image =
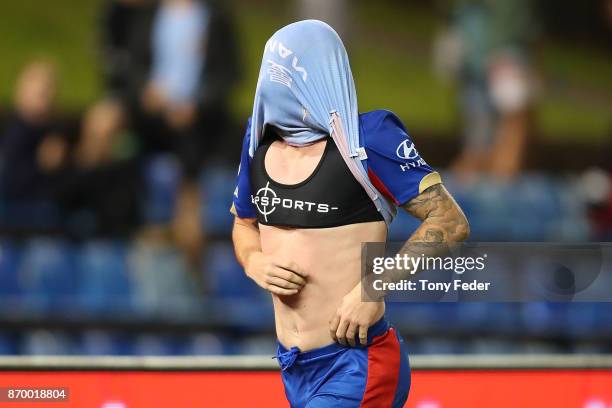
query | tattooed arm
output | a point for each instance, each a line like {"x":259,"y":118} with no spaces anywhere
{"x":443,"y":220}
{"x":443,"y":223}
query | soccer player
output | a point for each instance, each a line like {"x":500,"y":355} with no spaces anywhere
{"x":316,"y":180}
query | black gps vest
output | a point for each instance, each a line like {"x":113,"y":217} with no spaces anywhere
{"x":329,"y":197}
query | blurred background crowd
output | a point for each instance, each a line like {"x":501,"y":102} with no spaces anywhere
{"x":120,"y":130}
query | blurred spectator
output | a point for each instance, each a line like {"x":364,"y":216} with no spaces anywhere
{"x":183,"y":107}
{"x":101,"y":141}
{"x":178,"y":44}
{"x":102,"y":188}
{"x":33,"y":148}
{"x":169,"y":99}
{"x":487,"y":48}
{"x":126,"y":51}
{"x":172,"y":64}
{"x":177,"y":91}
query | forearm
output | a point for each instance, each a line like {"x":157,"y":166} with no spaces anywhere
{"x":245,"y":236}
{"x":443,"y":224}
{"x":442,"y":219}
{"x":278,"y":275}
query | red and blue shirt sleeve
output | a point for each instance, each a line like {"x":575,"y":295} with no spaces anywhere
{"x":394,"y":165}
{"x":242,"y":206}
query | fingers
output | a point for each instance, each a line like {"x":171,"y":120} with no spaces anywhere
{"x":292,"y":267}
{"x":341,"y":332}
{"x":345,"y":332}
{"x":282,"y":283}
{"x":333,"y":326}
{"x":287,"y":275}
{"x":363,"y":335}
{"x":351,"y":332}
{"x":281,"y":291}
{"x":291,"y":276}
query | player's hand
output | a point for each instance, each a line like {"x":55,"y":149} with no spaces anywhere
{"x":354,"y":317}
{"x":276,"y":275}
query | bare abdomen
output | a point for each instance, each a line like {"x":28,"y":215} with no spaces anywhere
{"x":331,"y":257}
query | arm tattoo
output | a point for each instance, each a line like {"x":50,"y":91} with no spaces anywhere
{"x":443,"y":220}
{"x":434,"y":235}
{"x":443,"y":223}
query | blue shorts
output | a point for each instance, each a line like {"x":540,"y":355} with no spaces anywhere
{"x":376,"y":375}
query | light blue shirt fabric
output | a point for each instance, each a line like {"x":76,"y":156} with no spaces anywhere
{"x":179,"y":35}
{"x":306,"y":90}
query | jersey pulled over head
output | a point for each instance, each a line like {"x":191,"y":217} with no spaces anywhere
{"x":306,"y":91}
{"x":304,"y":75}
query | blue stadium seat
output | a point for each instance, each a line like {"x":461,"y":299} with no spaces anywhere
{"x":225,"y":277}
{"x":207,"y":344}
{"x":492,"y":216}
{"x":98,"y":342}
{"x":603,"y":319}
{"x":544,"y":319}
{"x":435,"y":345}
{"x":218,"y":185}
{"x":258,"y":345}
{"x":416,"y":316}
{"x":48,"y":274}
{"x":10,"y":259}
{"x":105,"y":284}
{"x":502,"y":318}
{"x":539,"y":195}
{"x":47,"y":342}
{"x":153,"y":345}
{"x":8,"y":345}
{"x":161,"y":281}
{"x":236,"y":297}
{"x":162,"y":177}
{"x":587,"y":320}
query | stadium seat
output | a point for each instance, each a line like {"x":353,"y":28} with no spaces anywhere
{"x":544,"y":319}
{"x":48,"y":274}
{"x":47,"y":342}
{"x":218,"y":185}
{"x":502,"y":319}
{"x":225,"y":277}
{"x":162,"y":177}
{"x":105,"y":284}
{"x":258,"y":345}
{"x":10,"y":285}
{"x":239,"y":300}
{"x":8,"y":345}
{"x":98,"y":342}
{"x":152,"y":345}
{"x":207,"y":344}
{"x":161,"y":282}
{"x":584,"y":320}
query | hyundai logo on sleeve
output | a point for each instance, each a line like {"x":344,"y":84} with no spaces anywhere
{"x":407,"y":151}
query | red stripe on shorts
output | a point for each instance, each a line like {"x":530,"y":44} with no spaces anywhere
{"x":383,"y":371}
